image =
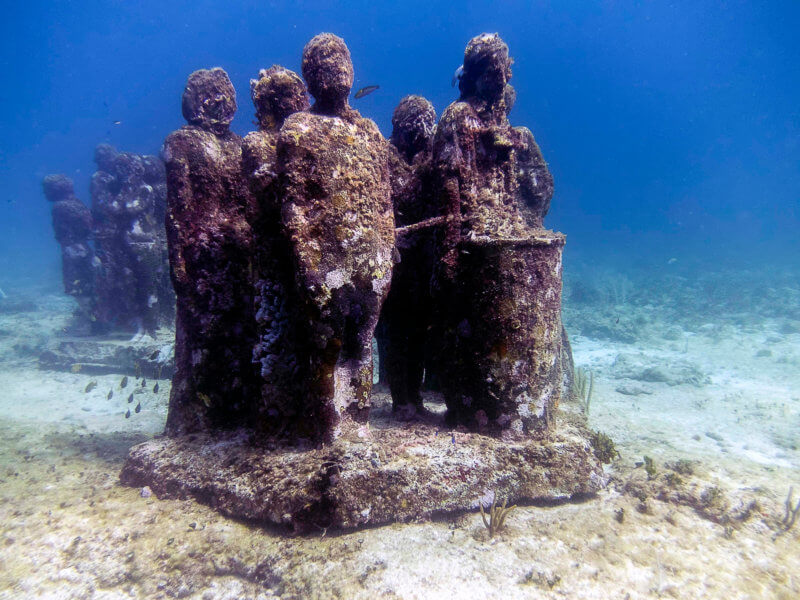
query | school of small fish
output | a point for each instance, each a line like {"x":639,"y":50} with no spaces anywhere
{"x":124,"y":383}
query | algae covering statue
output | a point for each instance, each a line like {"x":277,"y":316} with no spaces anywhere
{"x":337,"y":216}
{"x":210,"y":248}
{"x":406,"y":318}
{"x":498,"y":280}
{"x":268,"y":418}
{"x":278,"y":354}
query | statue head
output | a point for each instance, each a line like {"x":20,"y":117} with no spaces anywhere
{"x":276,"y":94}
{"x":57,"y":187}
{"x":104,"y":155}
{"x":487,"y":68}
{"x":328,"y":71}
{"x":412,"y":125}
{"x":209,"y":100}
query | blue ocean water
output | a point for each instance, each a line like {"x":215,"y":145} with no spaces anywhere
{"x":671,"y":128}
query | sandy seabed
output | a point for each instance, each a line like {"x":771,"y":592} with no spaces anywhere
{"x":722,"y":399}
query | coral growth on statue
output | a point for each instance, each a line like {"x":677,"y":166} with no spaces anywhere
{"x":289,"y":250}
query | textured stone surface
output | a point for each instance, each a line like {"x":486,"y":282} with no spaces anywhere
{"x":337,"y":216}
{"x":498,"y":280}
{"x":278,"y":353}
{"x":399,"y":473}
{"x":210,"y":251}
{"x":503,"y":354}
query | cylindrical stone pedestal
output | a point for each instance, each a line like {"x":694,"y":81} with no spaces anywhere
{"x":502,"y":340}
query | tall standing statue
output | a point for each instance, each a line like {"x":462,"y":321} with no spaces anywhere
{"x":406,"y":316}
{"x":72,"y":225}
{"x":337,"y":216}
{"x":210,"y":247}
{"x":498,"y":279}
{"x":278,"y":354}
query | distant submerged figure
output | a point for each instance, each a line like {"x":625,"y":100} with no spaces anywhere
{"x":132,"y":284}
{"x":72,"y":224}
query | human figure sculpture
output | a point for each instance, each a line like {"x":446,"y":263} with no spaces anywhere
{"x":498,"y":280}
{"x":406,"y":316}
{"x":337,"y":216}
{"x":131,"y":272}
{"x":209,"y":240}
{"x":278,"y":353}
{"x":72,"y":224}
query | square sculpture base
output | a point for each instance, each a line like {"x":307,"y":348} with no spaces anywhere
{"x":399,"y":472}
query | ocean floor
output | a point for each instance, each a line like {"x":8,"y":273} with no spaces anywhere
{"x":712,"y":401}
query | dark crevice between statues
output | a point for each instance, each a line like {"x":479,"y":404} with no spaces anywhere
{"x":287,"y":247}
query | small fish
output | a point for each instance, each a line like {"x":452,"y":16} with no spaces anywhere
{"x":117,"y":122}
{"x":457,"y":75}
{"x":155,"y":388}
{"x":453,"y":438}
{"x":138,"y":407}
{"x":617,"y":321}
{"x":76,"y":368}
{"x":138,"y":369}
{"x":365,"y":91}
{"x":124,"y":382}
{"x":205,"y":398}
{"x":128,"y":414}
{"x":110,"y":394}
{"x":154,"y":355}
{"x":90,"y":386}
{"x":144,"y":382}
{"x":672,"y":261}
{"x":130,"y":398}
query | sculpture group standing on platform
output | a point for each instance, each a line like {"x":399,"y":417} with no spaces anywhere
{"x":285,"y":248}
{"x":292,"y":248}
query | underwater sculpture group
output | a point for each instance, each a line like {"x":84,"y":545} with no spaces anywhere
{"x":114,"y":259}
{"x":287,"y":248}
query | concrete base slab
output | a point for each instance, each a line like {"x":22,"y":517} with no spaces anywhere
{"x":112,"y":354}
{"x":396,"y":472}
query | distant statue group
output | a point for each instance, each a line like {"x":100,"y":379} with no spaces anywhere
{"x":113,"y":255}
{"x":291,"y":248}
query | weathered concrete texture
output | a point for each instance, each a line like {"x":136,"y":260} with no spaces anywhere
{"x":337,"y":216}
{"x":107,"y":354}
{"x":498,"y":279}
{"x":278,"y":351}
{"x":400,"y":473}
{"x":502,"y":342}
{"x":210,"y":251}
